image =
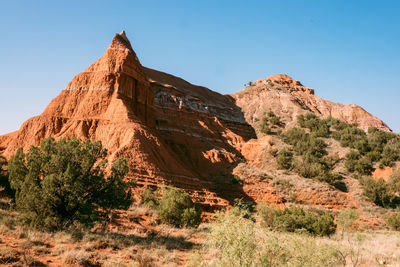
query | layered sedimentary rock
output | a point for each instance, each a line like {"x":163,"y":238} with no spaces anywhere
{"x":110,"y":101}
{"x":289,"y":98}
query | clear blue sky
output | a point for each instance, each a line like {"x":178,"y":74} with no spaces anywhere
{"x":347,"y":50}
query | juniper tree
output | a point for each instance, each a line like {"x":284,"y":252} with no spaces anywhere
{"x":59,"y":183}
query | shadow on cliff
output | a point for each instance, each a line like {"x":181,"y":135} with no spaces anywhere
{"x":212,"y":161}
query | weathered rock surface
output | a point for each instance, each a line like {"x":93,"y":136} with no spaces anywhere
{"x":288,"y":98}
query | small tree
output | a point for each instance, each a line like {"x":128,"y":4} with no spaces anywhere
{"x":177,"y":208}
{"x":379,"y":192}
{"x":63,"y":182}
{"x":284,"y":159}
{"x":4,"y":183}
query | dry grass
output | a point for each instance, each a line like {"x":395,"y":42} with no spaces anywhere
{"x":79,"y":257}
{"x":8,"y":255}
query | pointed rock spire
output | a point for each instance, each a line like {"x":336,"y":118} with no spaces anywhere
{"x":118,"y":70}
{"x":121,"y":42}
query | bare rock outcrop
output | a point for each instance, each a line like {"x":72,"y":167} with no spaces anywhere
{"x":289,"y":98}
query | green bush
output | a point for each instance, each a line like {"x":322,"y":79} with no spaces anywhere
{"x":4,"y":183}
{"x":63,"y":182}
{"x":284,"y":159}
{"x":177,"y":208}
{"x":354,"y":162}
{"x":379,"y":192}
{"x":374,"y":146}
{"x":318,"y":127}
{"x":394,"y":181}
{"x":394,"y":221}
{"x":296,"y":219}
{"x":264,"y":127}
{"x":304,"y":143}
{"x":270,"y":123}
{"x":234,"y":239}
{"x":391,"y":153}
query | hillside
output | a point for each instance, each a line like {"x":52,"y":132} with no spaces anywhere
{"x":173,"y":132}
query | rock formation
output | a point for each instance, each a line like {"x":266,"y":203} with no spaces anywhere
{"x":288,"y":98}
{"x":173,"y":132}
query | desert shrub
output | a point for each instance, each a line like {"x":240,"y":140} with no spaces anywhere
{"x":283,"y":184}
{"x":8,"y":255}
{"x":332,"y":160}
{"x":284,"y":159}
{"x":373,"y":156}
{"x":394,"y":181}
{"x":346,"y":218}
{"x":3,"y":165}
{"x":354,"y":162}
{"x":379,"y":192}
{"x":296,"y":219}
{"x":351,"y":159}
{"x":234,"y":239}
{"x":63,"y":182}
{"x":378,"y":139}
{"x":242,"y":209}
{"x":264,"y":126}
{"x":313,"y":162}
{"x":148,"y":198}
{"x":310,"y":169}
{"x":270,"y":122}
{"x":4,"y":182}
{"x":304,"y":143}
{"x":374,"y":146}
{"x":394,"y":221}
{"x":318,"y":127}
{"x":391,"y":152}
{"x":364,"y":166}
{"x":177,"y":208}
{"x":334,"y":179}
{"x":351,"y":136}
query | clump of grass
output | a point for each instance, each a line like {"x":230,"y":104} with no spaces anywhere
{"x":78,"y":257}
{"x":8,"y":255}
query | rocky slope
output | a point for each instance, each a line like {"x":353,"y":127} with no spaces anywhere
{"x":173,"y":132}
{"x":288,"y":98}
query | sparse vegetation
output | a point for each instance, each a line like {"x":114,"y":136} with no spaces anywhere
{"x":312,"y":161}
{"x":318,"y":127}
{"x":149,"y":199}
{"x":394,"y":221}
{"x":177,"y":208}
{"x":4,"y":183}
{"x":60,"y":183}
{"x":379,"y":192}
{"x":296,"y":219}
{"x":240,"y":242}
{"x":346,"y":219}
{"x":270,"y":123}
{"x":284,"y":159}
